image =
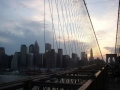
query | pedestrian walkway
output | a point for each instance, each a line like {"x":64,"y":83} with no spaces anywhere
{"x":115,"y":85}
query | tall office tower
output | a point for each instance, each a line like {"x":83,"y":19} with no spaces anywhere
{"x":4,"y":63}
{"x":48,"y":59}
{"x":59,"y":58}
{"x":36,"y":47}
{"x":30,"y":60}
{"x":4,"y":60}
{"x":10,"y":57}
{"x":15,"y":60}
{"x":65,"y":61}
{"x":85,"y":60}
{"x":23,"y":56}
{"x":2,"y":50}
{"x":83,"y":56}
{"x":47,"y":47}
{"x":54,"y":57}
{"x":86,"y":56}
{"x":44,"y":61}
{"x":37,"y":60}
{"x":74,"y":56}
{"x":31,"y":48}
{"x":51,"y":59}
{"x":41,"y":60}
{"x":91,"y":54}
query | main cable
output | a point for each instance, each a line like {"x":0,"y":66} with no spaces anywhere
{"x":117,"y":28}
{"x":93,"y":30}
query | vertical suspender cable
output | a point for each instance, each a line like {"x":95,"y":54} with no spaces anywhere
{"x":44,"y":23}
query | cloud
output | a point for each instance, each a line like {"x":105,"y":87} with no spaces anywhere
{"x":27,"y":40}
{"x":100,"y":34}
{"x":24,"y":32}
{"x":5,"y":40}
{"x":22,"y":22}
{"x":104,"y":19}
{"x":110,"y":49}
{"x":23,"y":28}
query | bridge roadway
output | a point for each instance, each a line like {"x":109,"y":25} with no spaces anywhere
{"x":92,"y":77}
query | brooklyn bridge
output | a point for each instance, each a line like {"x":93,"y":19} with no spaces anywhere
{"x":70,"y":58}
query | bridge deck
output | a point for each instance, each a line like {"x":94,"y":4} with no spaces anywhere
{"x":92,"y":77}
{"x":115,"y":85}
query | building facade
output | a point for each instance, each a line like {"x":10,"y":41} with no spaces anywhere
{"x":83,"y":55}
{"x":91,"y":54}
{"x":31,"y":48}
{"x":59,"y":58}
{"x":30,"y":60}
{"x":23,"y":56}
{"x":47,"y":47}
{"x":51,"y":57}
{"x":15,"y":60}
{"x":2,"y":50}
{"x":36,"y":47}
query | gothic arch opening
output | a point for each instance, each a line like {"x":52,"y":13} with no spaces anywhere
{"x":109,"y":60}
{"x":113,"y":59}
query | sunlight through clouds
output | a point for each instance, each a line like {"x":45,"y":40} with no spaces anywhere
{"x":104,"y":17}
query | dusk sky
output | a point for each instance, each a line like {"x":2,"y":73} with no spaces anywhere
{"x":21,"y":22}
{"x":104,"y":14}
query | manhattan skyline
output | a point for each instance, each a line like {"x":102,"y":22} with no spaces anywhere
{"x":26,"y":24}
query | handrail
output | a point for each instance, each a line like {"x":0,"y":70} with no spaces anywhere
{"x":99,"y":83}
{"x":95,"y":81}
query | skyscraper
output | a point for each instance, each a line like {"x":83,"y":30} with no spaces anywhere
{"x":83,"y":56}
{"x":15,"y":60}
{"x":2,"y":50}
{"x":23,"y":56}
{"x":48,"y":59}
{"x":41,"y":60}
{"x":91,"y":54}
{"x":74,"y":56}
{"x":65,"y":61}
{"x":36,"y":47}
{"x":59,"y":58}
{"x":30,"y":60}
{"x":47,"y":47}
{"x":3,"y":58}
{"x":51,"y":59}
{"x":31,"y":48}
{"x":85,"y":60}
{"x":4,"y":63}
{"x":54,"y":57}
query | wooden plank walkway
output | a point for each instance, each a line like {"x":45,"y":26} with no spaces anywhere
{"x":115,"y":85}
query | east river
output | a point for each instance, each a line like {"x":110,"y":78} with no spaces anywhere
{"x":9,"y":78}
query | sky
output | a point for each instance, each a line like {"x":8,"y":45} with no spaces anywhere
{"x":22,"y":22}
{"x":104,"y":15}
